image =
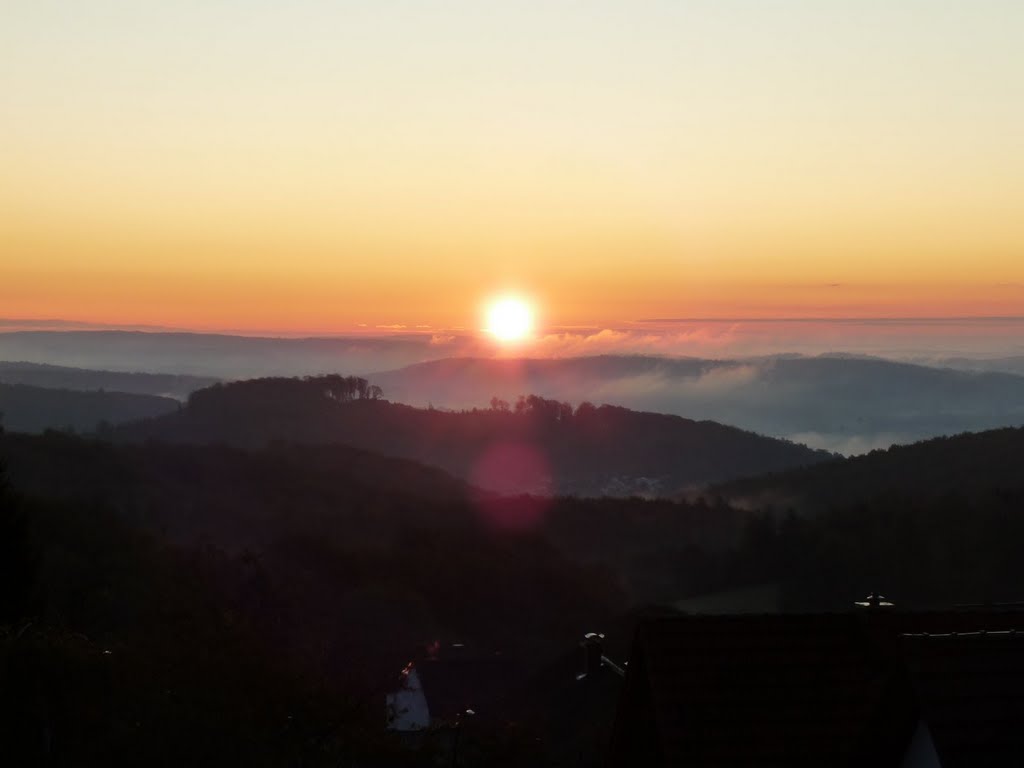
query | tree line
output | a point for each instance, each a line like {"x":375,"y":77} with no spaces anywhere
{"x":336,"y":387}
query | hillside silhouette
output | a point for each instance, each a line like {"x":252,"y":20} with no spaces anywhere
{"x":531,"y":445}
{"x":966,"y":464}
{"x":159,"y":596}
{"x":34,"y":409}
{"x":62,"y":377}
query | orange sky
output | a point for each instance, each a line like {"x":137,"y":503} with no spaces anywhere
{"x":221,"y":165}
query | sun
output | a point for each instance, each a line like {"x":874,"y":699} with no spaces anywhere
{"x":509,"y":319}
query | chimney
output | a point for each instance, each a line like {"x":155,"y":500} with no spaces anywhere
{"x":591,"y":653}
{"x":593,"y":658}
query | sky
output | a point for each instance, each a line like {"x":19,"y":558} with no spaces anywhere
{"x":329,"y":166}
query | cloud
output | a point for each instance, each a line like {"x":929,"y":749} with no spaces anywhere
{"x":662,"y":388}
{"x":629,"y":341}
{"x":851,"y":445}
{"x":9,"y":324}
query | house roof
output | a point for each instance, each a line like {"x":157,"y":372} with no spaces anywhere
{"x":777,"y":690}
{"x":460,"y":682}
{"x":970,"y":689}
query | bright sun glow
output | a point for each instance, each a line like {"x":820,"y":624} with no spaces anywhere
{"x":510,"y":319}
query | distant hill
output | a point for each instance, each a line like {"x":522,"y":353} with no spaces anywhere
{"x":83,"y":379}
{"x":967,"y":464}
{"x":217,"y":355}
{"x":842,"y":403}
{"x":536,"y":445}
{"x":34,"y":409}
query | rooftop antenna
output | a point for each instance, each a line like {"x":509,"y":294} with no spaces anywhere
{"x":874,"y":601}
{"x":592,"y":652}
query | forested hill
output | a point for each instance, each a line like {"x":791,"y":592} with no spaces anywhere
{"x":966,"y":464}
{"x":238,"y":498}
{"x":257,"y":604}
{"x":34,"y":409}
{"x":536,"y":445}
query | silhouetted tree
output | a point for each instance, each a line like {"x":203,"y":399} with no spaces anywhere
{"x":546,"y":411}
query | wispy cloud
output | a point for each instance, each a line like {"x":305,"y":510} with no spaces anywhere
{"x":618,"y":341}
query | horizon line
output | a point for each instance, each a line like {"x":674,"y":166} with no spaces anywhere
{"x":835,"y":319}
{"x":59,"y":325}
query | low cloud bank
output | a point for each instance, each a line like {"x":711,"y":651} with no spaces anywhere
{"x":851,"y":445}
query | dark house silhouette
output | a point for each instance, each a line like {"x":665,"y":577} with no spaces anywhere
{"x":448,"y":683}
{"x":877,"y":688}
